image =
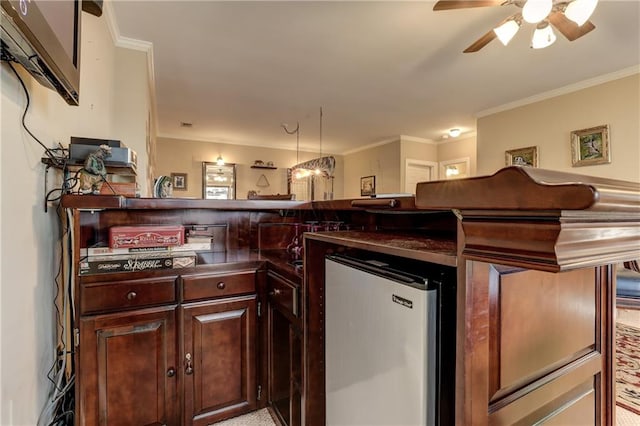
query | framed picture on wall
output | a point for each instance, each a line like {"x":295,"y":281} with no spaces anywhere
{"x":367,"y":186}
{"x":179,"y":181}
{"x":522,"y":156}
{"x":590,"y":146}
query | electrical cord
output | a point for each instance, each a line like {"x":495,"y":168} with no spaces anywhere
{"x":51,"y":153}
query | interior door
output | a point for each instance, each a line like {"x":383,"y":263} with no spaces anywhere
{"x":418,"y":171}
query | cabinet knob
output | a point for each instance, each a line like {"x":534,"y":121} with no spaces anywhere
{"x":275,"y":292}
{"x":131,"y":295}
{"x":221,"y":285}
{"x":171,"y":372}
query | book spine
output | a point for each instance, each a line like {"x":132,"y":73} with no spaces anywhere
{"x":106,"y":251}
{"x":105,"y":266}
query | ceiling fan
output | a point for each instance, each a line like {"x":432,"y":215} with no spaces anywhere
{"x":570,"y":17}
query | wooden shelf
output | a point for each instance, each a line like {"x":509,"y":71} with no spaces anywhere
{"x":264,"y":167}
{"x":115,"y":169}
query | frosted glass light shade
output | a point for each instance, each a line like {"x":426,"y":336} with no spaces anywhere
{"x":579,"y":11}
{"x":535,"y":11}
{"x":506,"y":31}
{"x":454,"y":133}
{"x":543,"y":36}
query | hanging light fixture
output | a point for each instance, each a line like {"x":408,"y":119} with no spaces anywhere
{"x":579,"y":11}
{"x":543,"y":36}
{"x":220,"y":160}
{"x":321,"y":166}
{"x":506,"y":31}
{"x":535,"y":11}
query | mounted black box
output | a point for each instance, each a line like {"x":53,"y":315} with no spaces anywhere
{"x":96,"y":142}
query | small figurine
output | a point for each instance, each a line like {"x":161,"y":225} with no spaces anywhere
{"x":94,"y":173}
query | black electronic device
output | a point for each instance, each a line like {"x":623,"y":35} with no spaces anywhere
{"x":44,"y":37}
{"x":96,"y":142}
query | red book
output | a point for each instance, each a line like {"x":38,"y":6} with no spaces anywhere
{"x":146,"y":236}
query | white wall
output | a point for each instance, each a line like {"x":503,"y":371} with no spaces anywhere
{"x":28,"y":245}
{"x":548,"y":124}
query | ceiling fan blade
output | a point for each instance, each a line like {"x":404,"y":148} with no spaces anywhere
{"x":464,"y":4}
{"x":567,"y":27}
{"x":481,"y":42}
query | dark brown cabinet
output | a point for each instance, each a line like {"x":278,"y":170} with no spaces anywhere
{"x":219,"y":359}
{"x":127,"y":365}
{"x":157,"y":349}
{"x":284,"y":349}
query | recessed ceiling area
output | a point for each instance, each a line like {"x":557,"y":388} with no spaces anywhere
{"x":237,"y":70}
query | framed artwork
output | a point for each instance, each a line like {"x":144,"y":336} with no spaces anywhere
{"x":179,"y":181}
{"x":367,"y":186}
{"x":590,"y":146}
{"x":522,"y":156}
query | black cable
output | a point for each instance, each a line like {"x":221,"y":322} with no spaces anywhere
{"x":48,"y":151}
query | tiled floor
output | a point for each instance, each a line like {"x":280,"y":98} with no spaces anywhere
{"x":623,"y":417}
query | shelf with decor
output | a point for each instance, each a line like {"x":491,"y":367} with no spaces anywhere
{"x":254,"y":166}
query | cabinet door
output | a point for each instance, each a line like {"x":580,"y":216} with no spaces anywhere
{"x":127,"y":367}
{"x":219,"y":359}
{"x":284,"y":351}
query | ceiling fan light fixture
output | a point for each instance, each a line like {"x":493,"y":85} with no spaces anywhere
{"x":543,"y":36}
{"x":535,"y":11}
{"x":506,"y":31}
{"x":579,"y":11}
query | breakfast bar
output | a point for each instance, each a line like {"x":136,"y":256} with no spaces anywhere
{"x":529,"y":335}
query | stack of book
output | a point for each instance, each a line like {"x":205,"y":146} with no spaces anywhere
{"x":141,"y":248}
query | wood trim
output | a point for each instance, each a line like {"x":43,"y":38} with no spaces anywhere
{"x":529,"y":188}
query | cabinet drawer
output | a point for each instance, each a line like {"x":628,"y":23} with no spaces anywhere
{"x":207,"y":286}
{"x":283,"y":292}
{"x":113,"y":295}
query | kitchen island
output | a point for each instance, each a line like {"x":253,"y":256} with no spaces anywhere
{"x":534,"y":254}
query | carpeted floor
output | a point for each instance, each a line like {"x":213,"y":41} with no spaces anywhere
{"x":257,"y":418}
{"x":628,"y":367}
{"x":628,"y":317}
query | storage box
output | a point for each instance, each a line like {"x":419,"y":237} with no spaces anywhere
{"x":146,"y":236}
{"x":136,"y":262}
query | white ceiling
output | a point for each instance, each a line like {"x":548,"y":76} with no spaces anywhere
{"x":238,"y":69}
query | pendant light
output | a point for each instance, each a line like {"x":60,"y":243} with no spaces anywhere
{"x":506,"y":31}
{"x":579,"y":11}
{"x":543,"y":36}
{"x":535,"y":11}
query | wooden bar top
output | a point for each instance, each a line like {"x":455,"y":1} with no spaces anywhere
{"x":528,"y":188}
{"x":429,"y":249}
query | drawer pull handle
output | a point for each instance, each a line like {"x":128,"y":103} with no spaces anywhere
{"x":171,"y":372}
{"x":131,"y":295}
{"x":275,"y":292}
{"x":189,"y":366}
{"x":221,"y":285}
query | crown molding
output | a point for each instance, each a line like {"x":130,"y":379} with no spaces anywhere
{"x":239,"y":143}
{"x":616,"y":75}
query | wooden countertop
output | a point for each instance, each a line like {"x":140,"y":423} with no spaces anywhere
{"x":435,"y":250}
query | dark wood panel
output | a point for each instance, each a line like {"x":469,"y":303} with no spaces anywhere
{"x":534,"y":345}
{"x":544,"y":321}
{"x":126,"y":362}
{"x":126,"y":294}
{"x":206,"y":286}
{"x":219,"y":354}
